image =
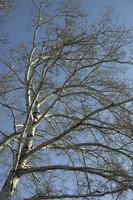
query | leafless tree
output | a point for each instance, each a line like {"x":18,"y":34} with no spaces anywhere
{"x":5,"y":7}
{"x":66,"y":128}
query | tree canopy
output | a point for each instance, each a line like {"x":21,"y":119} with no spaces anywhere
{"x":66,"y":110}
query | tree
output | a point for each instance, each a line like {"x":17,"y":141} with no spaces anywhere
{"x":67,"y":126}
{"x":5,"y":7}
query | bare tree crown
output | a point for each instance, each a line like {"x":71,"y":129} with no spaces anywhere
{"x":67,"y":112}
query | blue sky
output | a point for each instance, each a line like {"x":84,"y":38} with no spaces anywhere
{"x":17,"y":23}
{"x":122,"y":9}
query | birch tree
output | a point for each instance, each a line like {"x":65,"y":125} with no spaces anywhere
{"x":66,"y":123}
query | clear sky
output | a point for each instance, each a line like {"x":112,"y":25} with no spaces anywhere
{"x":16,"y":25}
{"x":123,"y":9}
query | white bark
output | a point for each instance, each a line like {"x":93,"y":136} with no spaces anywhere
{"x":9,"y":186}
{"x":12,"y":180}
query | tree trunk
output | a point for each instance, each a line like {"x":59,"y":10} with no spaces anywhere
{"x":9,"y":186}
{"x":12,"y":180}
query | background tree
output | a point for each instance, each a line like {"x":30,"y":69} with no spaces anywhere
{"x":5,"y":7}
{"x":67,"y":126}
